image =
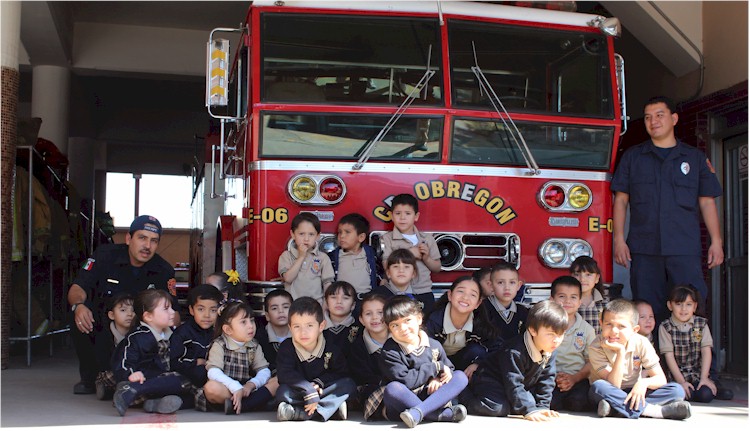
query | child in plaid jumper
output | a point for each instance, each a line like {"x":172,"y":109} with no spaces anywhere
{"x":587,"y":271}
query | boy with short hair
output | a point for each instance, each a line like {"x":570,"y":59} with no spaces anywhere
{"x":405,"y":214}
{"x":276,"y":307}
{"x":189,"y":343}
{"x":312,"y":371}
{"x":353,"y":260}
{"x":519,"y":378}
{"x":573,"y":367}
{"x":341,"y":327}
{"x":618,"y":357}
{"x":306,"y":271}
{"x":120,"y":313}
{"x":507,"y":315}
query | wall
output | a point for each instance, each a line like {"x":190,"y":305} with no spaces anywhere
{"x":174,"y":245}
{"x":725,"y":42}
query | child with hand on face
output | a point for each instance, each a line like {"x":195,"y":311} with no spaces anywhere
{"x":507,"y":315}
{"x":238,"y":373}
{"x":306,"y":271}
{"x":341,"y":327}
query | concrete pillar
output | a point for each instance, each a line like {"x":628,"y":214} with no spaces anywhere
{"x":10,"y":35}
{"x":50,"y":101}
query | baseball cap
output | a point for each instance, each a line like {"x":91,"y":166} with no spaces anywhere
{"x":146,"y":222}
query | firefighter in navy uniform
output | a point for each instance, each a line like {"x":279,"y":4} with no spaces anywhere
{"x":668,"y":185}
{"x":131,"y":267}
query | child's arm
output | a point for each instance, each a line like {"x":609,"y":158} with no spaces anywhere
{"x":127,"y":358}
{"x":430,"y":254}
{"x":655,"y":380}
{"x":512,"y":371}
{"x":337,"y":369}
{"x":394,"y":368}
{"x":288,"y":374}
{"x":291,"y":273}
{"x":614,"y":375}
{"x":705,"y":369}
{"x":215,"y":366}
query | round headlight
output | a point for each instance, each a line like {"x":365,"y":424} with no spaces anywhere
{"x":451,"y":252}
{"x":578,"y":249}
{"x":303,"y":189}
{"x":579,"y":197}
{"x":554,"y":196}
{"x":553,"y":252}
{"x":327,"y":244}
{"x":331,"y":189}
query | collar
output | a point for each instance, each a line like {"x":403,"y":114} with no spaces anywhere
{"x":317,"y":351}
{"x":346,"y":323}
{"x":682,"y":325}
{"x":395,"y":291}
{"x":448,"y":326}
{"x":398,"y":235}
{"x":576,"y":326}
{"x":232,"y":344}
{"x":371,"y":344}
{"x":313,"y":252}
{"x":359,"y":254}
{"x":272,"y":336}
{"x":159,"y":335}
{"x":424,"y":342}
{"x":680,"y":148}
{"x":500,"y":308}
{"x":534,"y":353}
{"x":115,"y":333}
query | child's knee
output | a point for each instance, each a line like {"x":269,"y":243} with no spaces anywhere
{"x":215,"y":392}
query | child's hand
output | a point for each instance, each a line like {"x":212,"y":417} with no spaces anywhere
{"x":617,"y":347}
{"x":469,"y":371}
{"x":707,"y":382}
{"x":302,"y":250}
{"x":237,"y":401}
{"x":637,"y":395}
{"x":318,"y":388}
{"x":446,"y":375}
{"x":137,"y":377}
{"x":248,"y":389}
{"x":688,"y":389}
{"x":424,"y":251}
{"x":310,"y":408}
{"x":433,"y":385}
{"x":564,"y":381}
{"x":541,"y":415}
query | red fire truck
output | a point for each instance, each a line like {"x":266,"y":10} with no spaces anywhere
{"x":502,"y":120}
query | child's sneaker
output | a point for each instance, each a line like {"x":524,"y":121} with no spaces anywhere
{"x":603,"y":409}
{"x":341,"y":413}
{"x":123,"y":397}
{"x":676,"y":410}
{"x":409,"y":419}
{"x":287,"y":412}
{"x":163,"y":405}
{"x":459,"y":413}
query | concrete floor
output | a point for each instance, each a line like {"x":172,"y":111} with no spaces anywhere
{"x":41,"y":396}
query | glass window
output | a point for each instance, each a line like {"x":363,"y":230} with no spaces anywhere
{"x":349,"y":59}
{"x":296,"y":135}
{"x":552,"y":145}
{"x":548,"y":71}
{"x":120,"y":198}
{"x":166,"y":197}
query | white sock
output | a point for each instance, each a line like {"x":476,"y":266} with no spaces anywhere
{"x":652,"y":411}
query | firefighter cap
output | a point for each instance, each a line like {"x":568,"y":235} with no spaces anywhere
{"x":146,"y":222}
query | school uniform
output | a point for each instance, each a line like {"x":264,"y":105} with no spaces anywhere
{"x":517,"y":379}
{"x":510,"y":321}
{"x":639,"y":356}
{"x":463,"y":346}
{"x":388,"y":290}
{"x":664,"y":187}
{"x":362,"y":358}
{"x":106,"y":343}
{"x":342,"y":334}
{"x":270,"y":341}
{"x":233,"y":364}
{"x":571,"y":356}
{"x":685,"y":341}
{"x":422,"y":284}
{"x":188,"y":343}
{"x":591,"y":313}
{"x":315,"y":272}
{"x":297,"y":370}
{"x":358,"y":269}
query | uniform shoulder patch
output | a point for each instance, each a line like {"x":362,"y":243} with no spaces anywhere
{"x":710,"y":166}
{"x":89,"y":264}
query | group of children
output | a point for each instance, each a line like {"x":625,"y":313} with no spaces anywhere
{"x":336,"y":337}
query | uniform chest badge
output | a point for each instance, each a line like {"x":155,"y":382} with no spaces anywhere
{"x":685,"y":168}
{"x":151,"y":286}
{"x":578,"y":342}
{"x":315,"y":266}
{"x":637,"y":361}
{"x":327,"y":359}
{"x":435,"y":354}
{"x":353,"y":330}
{"x":697,"y":335}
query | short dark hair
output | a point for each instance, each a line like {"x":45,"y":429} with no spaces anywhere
{"x":401,"y":255}
{"x":306,"y":305}
{"x":504,"y":266}
{"x":621,"y":306}
{"x":120,"y":298}
{"x":662,"y":99}
{"x":306,"y":217}
{"x":565,"y":280}
{"x":275,"y":293}
{"x":588,"y":264}
{"x":400,"y":306}
{"x":358,"y":221}
{"x":228,"y":311}
{"x":681,"y":292}
{"x":548,"y":314}
{"x":371,"y":297}
{"x":481,"y":272}
{"x":405,"y":199}
{"x":334,"y":287}
{"x":204,"y":291}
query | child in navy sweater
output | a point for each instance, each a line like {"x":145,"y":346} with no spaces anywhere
{"x":420,"y":378}
{"x":276,"y":306}
{"x":121,"y":314}
{"x":519,"y":379}
{"x":507,"y":315}
{"x":312,"y":371}
{"x":341,"y":327}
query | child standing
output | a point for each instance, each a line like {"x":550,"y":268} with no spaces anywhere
{"x":364,"y":353}
{"x":519,"y":379}
{"x":238,"y":373}
{"x":420,"y":378}
{"x":461,"y":326}
{"x":142,"y":366}
{"x":405,"y":214}
{"x":587,"y":271}
{"x":276,"y":307}
{"x":341,"y":328}
{"x":572,"y":364}
{"x":686,"y":343}
{"x":306,"y":271}
{"x":400,"y":271}
{"x":312,"y":371}
{"x":508,"y":316}
{"x":354,"y":261}
{"x":618,"y":357}
{"x":121,"y":314}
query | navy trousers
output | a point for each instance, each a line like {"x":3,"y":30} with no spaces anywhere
{"x":332,"y":397}
{"x":603,"y":390}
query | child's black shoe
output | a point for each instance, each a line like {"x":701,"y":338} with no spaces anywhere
{"x":163,"y":405}
{"x":676,"y":410}
{"x":123,"y":397}
{"x":603,"y":409}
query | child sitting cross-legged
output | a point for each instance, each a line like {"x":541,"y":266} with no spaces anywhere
{"x":121,"y":315}
{"x":238,"y":373}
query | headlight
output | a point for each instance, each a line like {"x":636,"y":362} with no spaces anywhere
{"x":561,"y":252}
{"x":303,"y":188}
{"x":315,"y":189}
{"x":565,"y":197}
{"x":579,"y":197}
{"x":553,"y":252}
{"x":578,"y":249}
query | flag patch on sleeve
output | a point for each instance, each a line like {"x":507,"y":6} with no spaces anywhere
{"x":88,"y":264}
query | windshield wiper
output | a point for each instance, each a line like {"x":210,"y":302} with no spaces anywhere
{"x":497,"y":104}
{"x":413,"y":94}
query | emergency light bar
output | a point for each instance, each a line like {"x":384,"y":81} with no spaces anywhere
{"x":217,"y":79}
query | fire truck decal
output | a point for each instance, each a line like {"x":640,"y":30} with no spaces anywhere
{"x":268,"y":215}
{"x":451,"y":189}
{"x":596,"y":224}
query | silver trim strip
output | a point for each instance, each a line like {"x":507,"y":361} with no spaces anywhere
{"x":423,"y":168}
